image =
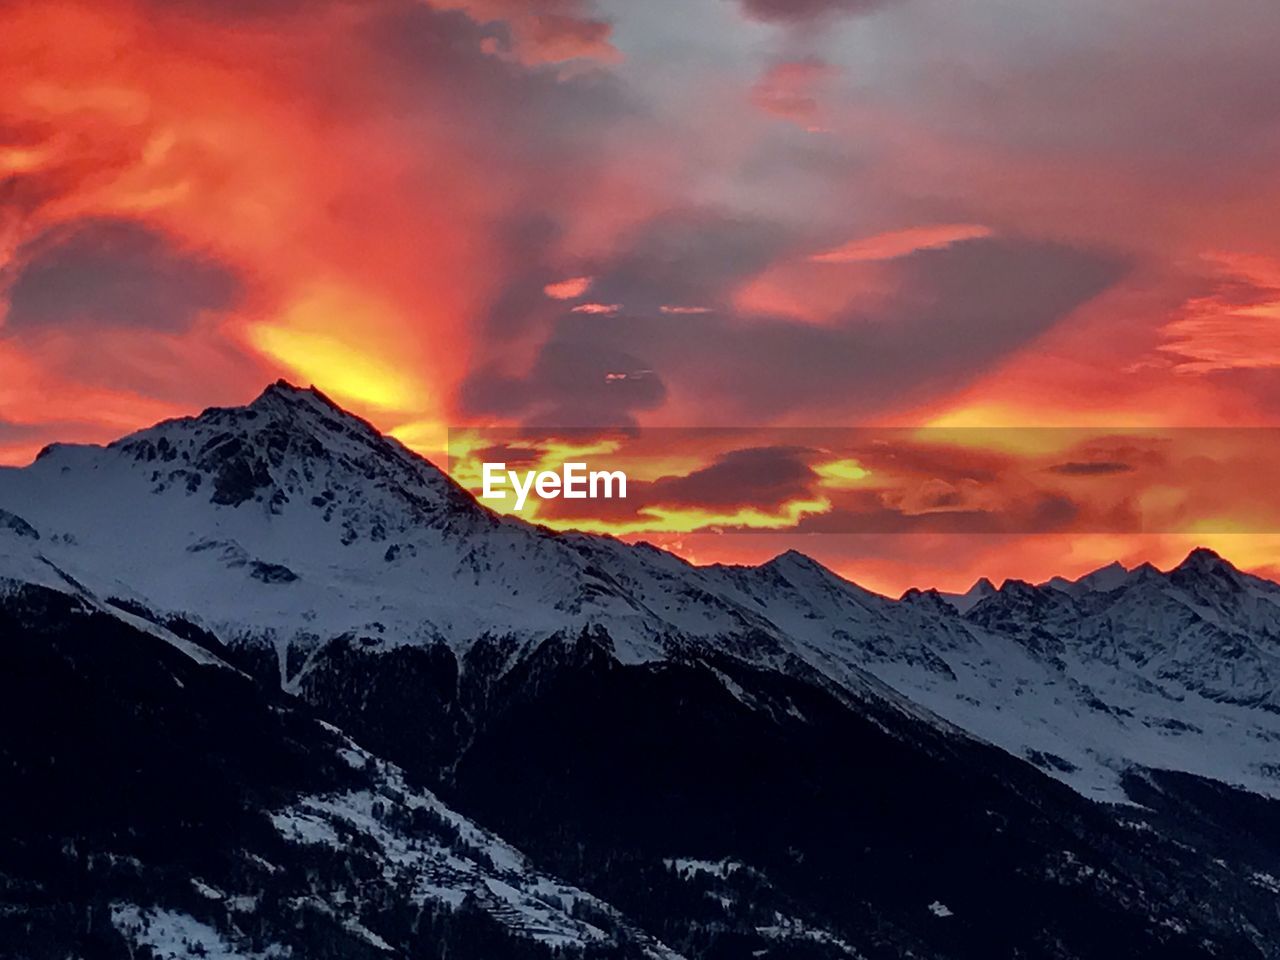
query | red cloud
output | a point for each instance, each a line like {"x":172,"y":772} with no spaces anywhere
{"x":543,"y":31}
{"x":790,"y":89}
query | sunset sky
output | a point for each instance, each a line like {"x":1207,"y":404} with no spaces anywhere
{"x":772,"y":214}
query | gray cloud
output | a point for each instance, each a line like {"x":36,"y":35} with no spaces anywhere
{"x":114,"y":273}
{"x":578,"y":380}
{"x":689,"y":256}
{"x":961,"y":310}
{"x":18,"y":432}
{"x":800,"y":11}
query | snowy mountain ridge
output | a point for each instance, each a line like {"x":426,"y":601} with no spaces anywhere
{"x":288,"y":523}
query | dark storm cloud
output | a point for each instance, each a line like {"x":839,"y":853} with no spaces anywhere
{"x":114,"y":273}
{"x":958,"y":311}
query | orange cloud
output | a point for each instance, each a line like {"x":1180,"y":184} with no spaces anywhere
{"x":1236,"y":326}
{"x":364,"y":232}
{"x":791,"y":90}
{"x":569,"y":289}
{"x":899,"y":243}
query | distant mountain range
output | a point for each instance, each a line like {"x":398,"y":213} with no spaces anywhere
{"x":273,"y":685}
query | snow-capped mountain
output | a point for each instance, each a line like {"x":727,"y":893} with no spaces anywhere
{"x":981,"y":589}
{"x":289,"y":517}
{"x":621,"y":714}
{"x":289,"y":523}
{"x":1104,"y":578}
{"x":1176,"y":670}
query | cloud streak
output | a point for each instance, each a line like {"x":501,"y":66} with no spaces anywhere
{"x":806,"y":11}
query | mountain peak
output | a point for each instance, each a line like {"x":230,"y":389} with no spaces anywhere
{"x":1013,"y":586}
{"x":1105,"y":578}
{"x":285,"y":414}
{"x":1146,"y":572}
{"x":928,"y":598}
{"x":796,"y":562}
{"x":288,"y":399}
{"x":963,"y":602}
{"x":982,"y":587}
{"x":284,"y":386}
{"x":804,"y":572}
{"x":284,"y":390}
{"x":290,"y":442}
{"x":1115,"y":566}
{"x":1204,"y":560}
{"x":795,"y":558}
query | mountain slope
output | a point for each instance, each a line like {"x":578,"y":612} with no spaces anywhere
{"x":287,"y":524}
{"x":156,"y":794}
{"x":731,"y":809}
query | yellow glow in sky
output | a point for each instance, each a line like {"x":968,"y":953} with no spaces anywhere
{"x":329,"y":337}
